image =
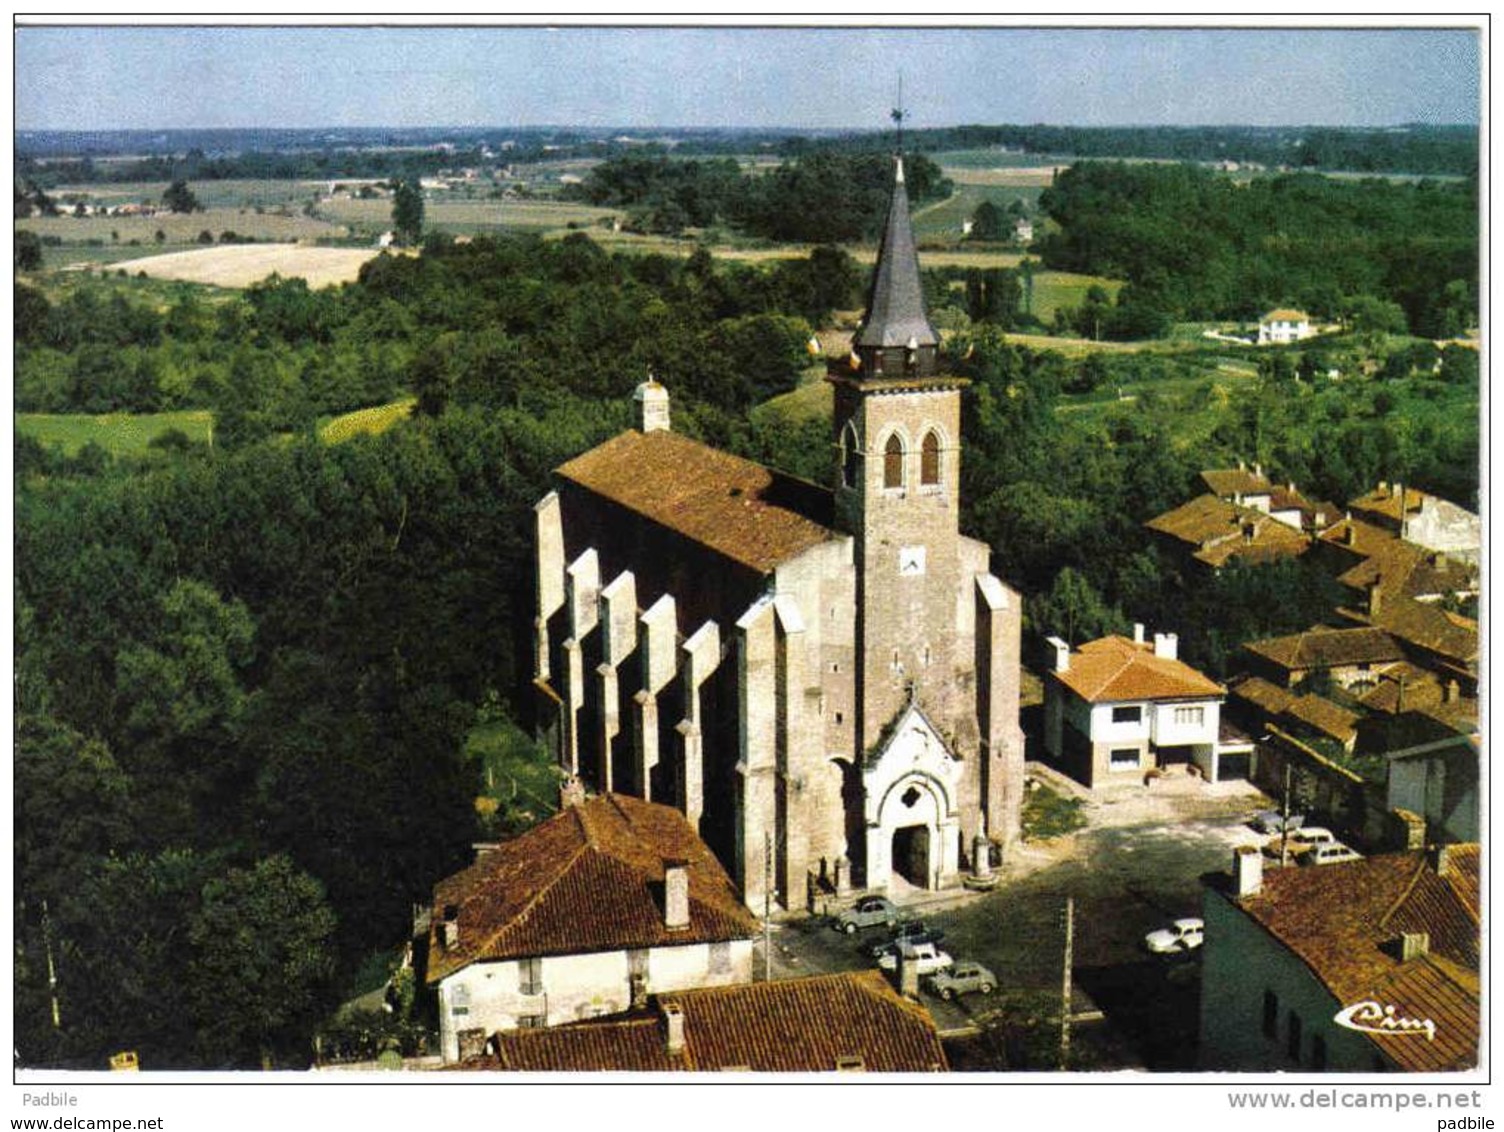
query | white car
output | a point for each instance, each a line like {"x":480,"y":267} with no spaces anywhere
{"x":1181,"y":936}
{"x":1301,"y":841}
{"x":1333,"y":853}
{"x":927,"y":956}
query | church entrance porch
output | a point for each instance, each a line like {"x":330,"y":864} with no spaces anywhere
{"x":912,"y":819}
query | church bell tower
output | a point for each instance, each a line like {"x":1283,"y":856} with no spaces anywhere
{"x":897,"y":423}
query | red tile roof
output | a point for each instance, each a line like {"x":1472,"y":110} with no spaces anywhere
{"x":1448,"y":635}
{"x":803,"y":1025}
{"x":1403,"y":569}
{"x":1221,"y":531}
{"x":1343,"y":921}
{"x":1328,"y":648}
{"x":1114,"y":669}
{"x":1228,"y":482}
{"x":1320,"y":714}
{"x":742,"y":510}
{"x":588,"y":879}
{"x":1267,"y":697}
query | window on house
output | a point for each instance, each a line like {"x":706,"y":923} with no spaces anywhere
{"x":530,"y":1021}
{"x":851,"y":1063}
{"x":1271,"y":1014}
{"x":1123,"y":758}
{"x":1128,"y":714}
{"x":459,"y":1000}
{"x":929,"y":459}
{"x":1195,"y":716}
{"x":893,"y":462}
{"x":1292,"y":1035}
{"x":530,"y":976}
{"x":720,"y":958}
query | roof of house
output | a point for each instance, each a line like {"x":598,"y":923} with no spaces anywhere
{"x":1268,"y":698}
{"x":805,"y":1025}
{"x":1343,"y":921}
{"x":1449,"y":635}
{"x":1285,"y":314}
{"x":1114,"y":669}
{"x":1320,"y":714}
{"x":1225,"y":483}
{"x":750,"y":514}
{"x":1313,"y":512}
{"x":1221,"y":531}
{"x":1384,"y":500}
{"x":1364,"y":540}
{"x":1407,"y":570}
{"x":1328,"y":648}
{"x":588,"y":879}
{"x":1401,"y":687}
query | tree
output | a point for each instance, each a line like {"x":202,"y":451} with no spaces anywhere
{"x":407,"y":213}
{"x":1074,"y":609}
{"x":262,"y":965}
{"x":179,"y":198}
{"x":988,"y":222}
{"x":28,"y":252}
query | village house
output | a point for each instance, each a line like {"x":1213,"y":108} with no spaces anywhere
{"x":611,"y":900}
{"x":850,"y":1022}
{"x":1115,"y":709}
{"x":1361,"y":967}
{"x":829,"y":675}
{"x":1433,"y":638}
{"x":1023,"y":230}
{"x":1283,"y":326}
{"x":1362,"y":556}
{"x":1249,"y":487}
{"x":1435,"y":773}
{"x":1427,"y":520}
{"x":1351,"y":659}
{"x":1212,"y":532}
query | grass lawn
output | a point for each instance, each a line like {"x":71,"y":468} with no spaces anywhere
{"x":120,"y":434}
{"x":366,"y":422}
{"x":1048,"y":814}
{"x":943,"y":219}
{"x":519,"y":781}
{"x":1054,"y":290}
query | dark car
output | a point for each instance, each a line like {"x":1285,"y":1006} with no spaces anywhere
{"x":910,"y":931}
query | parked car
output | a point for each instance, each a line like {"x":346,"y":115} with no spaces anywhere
{"x":1272,"y":821}
{"x":1181,"y":936}
{"x":868,"y":912}
{"x":962,"y":978}
{"x":1300,"y":841}
{"x":927,"y":956}
{"x":1333,"y":853}
{"x":909,"y":931}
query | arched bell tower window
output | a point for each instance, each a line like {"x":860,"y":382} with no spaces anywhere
{"x":929,"y":459}
{"x":893,"y":462}
{"x":850,"y":457}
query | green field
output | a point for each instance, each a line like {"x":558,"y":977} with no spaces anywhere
{"x":366,"y":422}
{"x":1056,"y":289}
{"x":520,"y":783}
{"x":120,"y":434}
{"x":109,"y":232}
{"x":942,"y":219}
{"x":469,"y":217}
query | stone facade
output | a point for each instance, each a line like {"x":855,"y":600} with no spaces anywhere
{"x":825,"y":681}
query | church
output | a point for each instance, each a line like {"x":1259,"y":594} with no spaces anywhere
{"x":824,"y":680}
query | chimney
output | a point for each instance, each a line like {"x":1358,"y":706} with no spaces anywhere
{"x":1451,"y":693}
{"x":908,"y":974}
{"x":571,"y":792}
{"x":652,"y":406}
{"x":484,"y":849}
{"x":1242,"y":467}
{"x":1399,"y":695}
{"x":673,"y":1024}
{"x":1413,"y":945}
{"x":1350,"y":533}
{"x":1138,"y":632}
{"x":449,"y":930}
{"x":1062,"y":653}
{"x":1249,"y":531}
{"x":1258,"y":471}
{"x":1247,"y":871}
{"x":1166,"y":646}
{"x":1375,"y":596}
{"x":1439,"y":858}
{"x":675,"y":895}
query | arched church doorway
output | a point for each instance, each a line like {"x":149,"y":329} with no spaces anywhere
{"x":911,"y":854}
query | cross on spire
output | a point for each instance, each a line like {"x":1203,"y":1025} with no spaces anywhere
{"x":897,"y":115}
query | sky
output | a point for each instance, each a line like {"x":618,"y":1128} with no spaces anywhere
{"x":83,"y":78}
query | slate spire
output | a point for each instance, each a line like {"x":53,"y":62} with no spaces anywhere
{"x":895,"y":328}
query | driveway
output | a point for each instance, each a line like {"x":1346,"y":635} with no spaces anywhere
{"x":1135,"y":867}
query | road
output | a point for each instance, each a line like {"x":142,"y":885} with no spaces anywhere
{"x":1136,"y":867}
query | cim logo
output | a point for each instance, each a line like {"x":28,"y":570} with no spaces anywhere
{"x":1373,"y":1018}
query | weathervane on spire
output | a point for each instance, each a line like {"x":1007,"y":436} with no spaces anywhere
{"x":897,"y":114}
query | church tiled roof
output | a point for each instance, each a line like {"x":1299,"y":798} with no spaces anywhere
{"x":806,"y":1025}
{"x":588,"y":879}
{"x":748,"y":513}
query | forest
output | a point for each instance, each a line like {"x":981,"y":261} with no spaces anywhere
{"x":247,"y":671}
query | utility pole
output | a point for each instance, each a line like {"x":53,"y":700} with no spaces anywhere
{"x":1065,"y":981}
{"x":1284,"y":819}
{"x":57,"y":1017}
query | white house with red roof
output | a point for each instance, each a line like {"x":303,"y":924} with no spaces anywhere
{"x":1280,"y":327}
{"x":1115,"y":709}
{"x":585,"y":915}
